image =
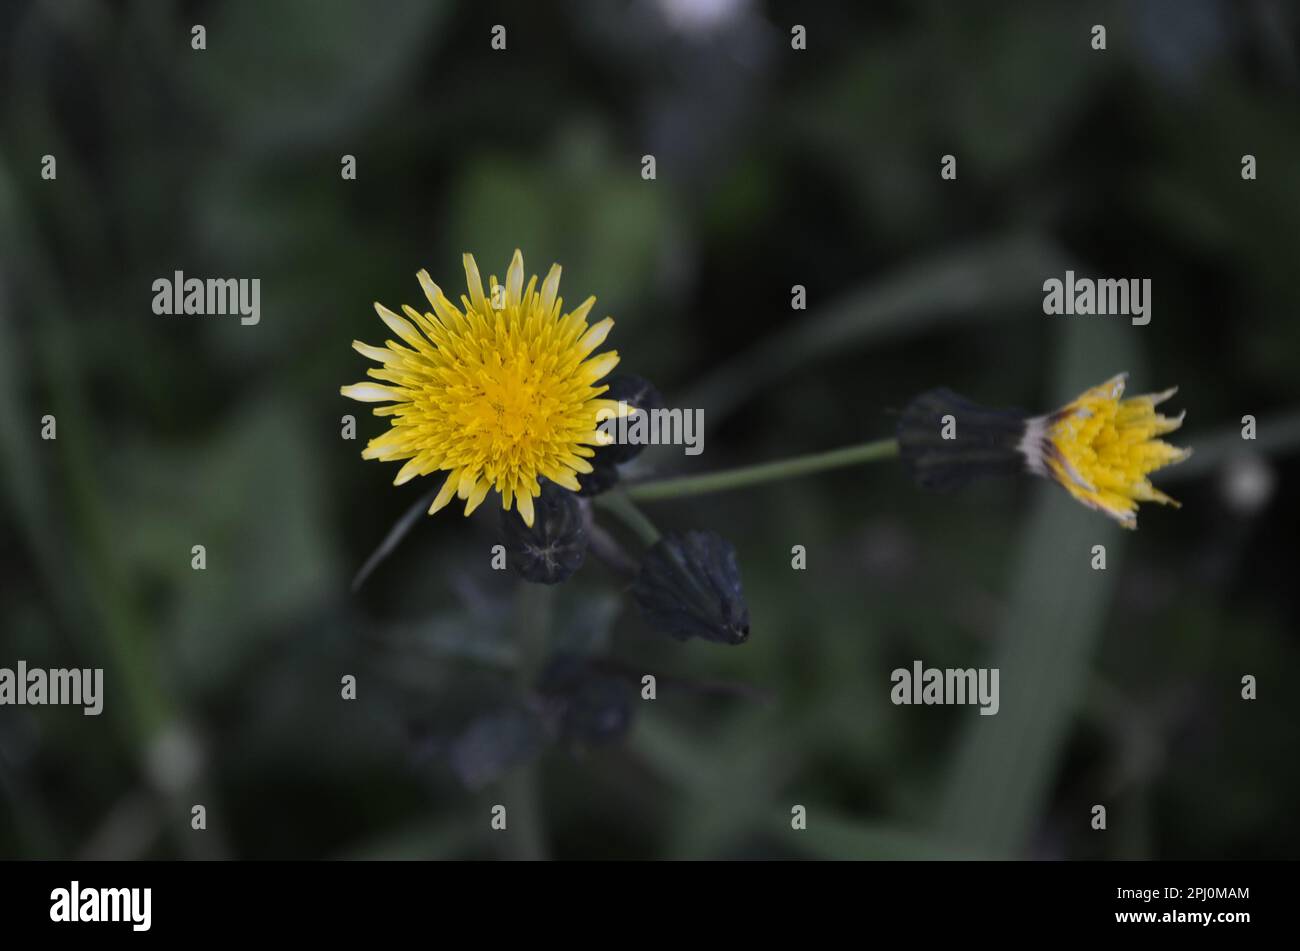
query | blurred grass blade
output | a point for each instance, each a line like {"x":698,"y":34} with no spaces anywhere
{"x":457,"y":635}
{"x":394,"y":537}
{"x":984,"y":281}
{"x":320,"y":88}
{"x":27,"y":490}
{"x":1005,"y":764}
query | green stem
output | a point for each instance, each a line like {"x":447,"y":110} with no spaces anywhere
{"x":624,"y":509}
{"x":763,"y":472}
{"x":523,"y":791}
{"x":532,"y":617}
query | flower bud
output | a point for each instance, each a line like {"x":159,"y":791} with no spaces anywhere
{"x":689,"y":586}
{"x":641,"y":395}
{"x":591,"y":707}
{"x":599,"y":711}
{"x":554,"y":547}
{"x":946,"y":441}
{"x":602,"y":477}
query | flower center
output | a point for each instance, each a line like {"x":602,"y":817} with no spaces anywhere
{"x":513,"y":414}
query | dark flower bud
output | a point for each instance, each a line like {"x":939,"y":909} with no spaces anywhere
{"x":639,"y":394}
{"x":493,"y":744}
{"x":563,"y":672}
{"x":946,"y":441}
{"x":593,"y":707}
{"x":602,"y":477}
{"x":555,"y":546}
{"x":599,"y":711}
{"x":689,"y":586}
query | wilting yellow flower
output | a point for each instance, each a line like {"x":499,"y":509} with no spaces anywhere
{"x":497,"y":393}
{"x":1101,"y":448}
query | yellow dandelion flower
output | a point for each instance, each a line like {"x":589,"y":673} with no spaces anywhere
{"x":498,"y":392}
{"x":1101,"y":448}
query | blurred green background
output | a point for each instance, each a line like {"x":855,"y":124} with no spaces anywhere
{"x":775,"y":168}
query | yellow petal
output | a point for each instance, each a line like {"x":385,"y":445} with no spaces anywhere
{"x":474,"y":282}
{"x":468,"y":480}
{"x":594,"y":337}
{"x":525,"y":503}
{"x":564,"y":477}
{"x":597,"y":367}
{"x":413,"y":468}
{"x":477,"y":495}
{"x":515,"y":280}
{"x":378,"y":354}
{"x":431,"y":290}
{"x":370,"y":393}
{"x":550,"y":287}
{"x":446,"y":492}
{"x":400,"y":327}
{"x":579,"y":313}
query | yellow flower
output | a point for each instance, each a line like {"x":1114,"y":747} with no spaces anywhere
{"x":497,"y":393}
{"x":1101,"y":448}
